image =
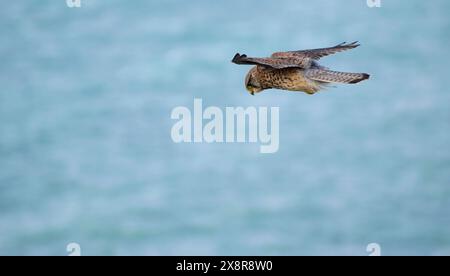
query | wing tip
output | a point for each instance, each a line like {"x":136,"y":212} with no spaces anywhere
{"x":351,"y":45}
{"x":363,"y":77}
{"x":238,"y":58}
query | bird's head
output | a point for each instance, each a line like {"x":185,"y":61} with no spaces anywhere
{"x":251,"y":82}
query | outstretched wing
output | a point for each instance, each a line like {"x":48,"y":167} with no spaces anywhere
{"x":274,"y":62}
{"x":317,"y":53}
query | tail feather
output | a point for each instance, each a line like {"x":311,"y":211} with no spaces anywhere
{"x":336,"y":77}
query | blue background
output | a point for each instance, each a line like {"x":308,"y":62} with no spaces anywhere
{"x":86,"y":154}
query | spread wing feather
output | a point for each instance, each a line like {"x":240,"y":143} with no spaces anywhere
{"x":274,"y":62}
{"x":303,"y":59}
{"x":317,"y":53}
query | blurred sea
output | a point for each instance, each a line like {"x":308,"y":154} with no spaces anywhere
{"x":86,"y":154}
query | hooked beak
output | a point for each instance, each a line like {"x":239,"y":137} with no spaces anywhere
{"x":250,"y":90}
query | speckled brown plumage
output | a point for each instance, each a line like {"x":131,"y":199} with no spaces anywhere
{"x":296,"y":70}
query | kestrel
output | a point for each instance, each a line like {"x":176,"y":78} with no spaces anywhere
{"x":296,"y":70}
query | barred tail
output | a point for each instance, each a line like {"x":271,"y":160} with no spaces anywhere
{"x":333,"y":76}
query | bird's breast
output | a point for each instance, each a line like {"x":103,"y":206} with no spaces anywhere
{"x":288,"y":79}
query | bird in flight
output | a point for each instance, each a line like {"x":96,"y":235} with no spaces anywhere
{"x":296,"y":70}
